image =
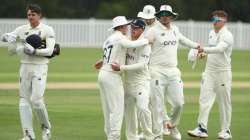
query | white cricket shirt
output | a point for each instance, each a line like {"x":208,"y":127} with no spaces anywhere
{"x":136,"y":68}
{"x":115,"y":47}
{"x":219,"y":50}
{"x":164,"y":48}
{"x":45,"y":32}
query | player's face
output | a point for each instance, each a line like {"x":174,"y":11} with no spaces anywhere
{"x":218,"y":22}
{"x":123,"y":29}
{"x":136,"y":32}
{"x":165,"y":20}
{"x":33,"y":17}
{"x":149,"y":21}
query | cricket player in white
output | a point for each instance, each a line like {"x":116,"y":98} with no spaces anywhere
{"x":110,"y":81}
{"x":148,"y":15}
{"x":217,"y":78}
{"x":166,"y":77}
{"x":33,"y":71}
{"x":137,"y":86}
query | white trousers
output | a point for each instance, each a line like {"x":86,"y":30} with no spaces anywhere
{"x":170,"y":87}
{"x":112,"y":98}
{"x":137,"y":105}
{"x":32,"y":87}
{"x":216,"y":85}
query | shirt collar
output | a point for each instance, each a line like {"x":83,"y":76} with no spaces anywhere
{"x":163,"y":27}
{"x":222,"y":29}
{"x":37,"y":27}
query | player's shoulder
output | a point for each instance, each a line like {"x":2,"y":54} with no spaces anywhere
{"x":228,"y":32}
{"x":175,"y":27}
{"x":227,"y":35}
{"x":114,"y":38}
{"x":46,"y":27}
{"x":22,"y":27}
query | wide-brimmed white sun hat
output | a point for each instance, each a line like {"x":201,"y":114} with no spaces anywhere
{"x":148,"y":12}
{"x":166,"y":10}
{"x":119,"y":21}
{"x":139,"y":14}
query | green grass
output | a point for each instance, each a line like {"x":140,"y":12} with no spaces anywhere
{"x":76,"y":65}
{"x":77,"y":114}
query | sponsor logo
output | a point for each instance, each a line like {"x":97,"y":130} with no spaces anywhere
{"x":169,"y":43}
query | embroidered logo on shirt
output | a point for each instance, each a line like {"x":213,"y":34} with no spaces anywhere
{"x":156,"y":82}
{"x":162,"y":34}
{"x":26,"y":33}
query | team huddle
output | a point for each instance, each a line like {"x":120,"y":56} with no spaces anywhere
{"x":139,"y":75}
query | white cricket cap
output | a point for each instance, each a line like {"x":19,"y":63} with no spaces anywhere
{"x":166,"y":8}
{"x":119,"y":21}
{"x":148,"y":12}
{"x":139,"y":15}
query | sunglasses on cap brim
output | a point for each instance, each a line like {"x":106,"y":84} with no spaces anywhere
{"x":217,"y":19}
{"x":165,"y":13}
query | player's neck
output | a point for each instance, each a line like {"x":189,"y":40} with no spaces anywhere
{"x":134,"y":38}
{"x":217,"y":29}
{"x":35,"y":24}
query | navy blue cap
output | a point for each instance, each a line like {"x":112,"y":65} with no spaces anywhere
{"x":34,"y":40}
{"x":138,"y":23}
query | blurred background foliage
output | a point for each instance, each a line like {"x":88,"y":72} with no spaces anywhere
{"x":198,"y":10}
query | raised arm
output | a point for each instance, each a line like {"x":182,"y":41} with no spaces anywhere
{"x":125,"y":42}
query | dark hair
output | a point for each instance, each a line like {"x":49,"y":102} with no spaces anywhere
{"x":219,"y":13}
{"x":34,"y":8}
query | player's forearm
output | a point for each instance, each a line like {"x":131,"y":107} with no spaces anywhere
{"x":133,"y":67}
{"x":12,"y":49}
{"x":188,"y":43}
{"x":50,"y":43}
{"x":133,"y":44}
{"x":220,"y":48}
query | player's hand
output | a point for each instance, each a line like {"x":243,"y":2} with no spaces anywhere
{"x":201,"y":55}
{"x":98,"y":64}
{"x":115,"y":66}
{"x":200,"y":49}
{"x":9,"y":37}
{"x":28,"y":49}
{"x":150,"y":40}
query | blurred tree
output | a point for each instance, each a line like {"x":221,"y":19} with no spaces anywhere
{"x":187,"y":9}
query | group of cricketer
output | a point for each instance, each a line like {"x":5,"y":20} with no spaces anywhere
{"x":139,"y":75}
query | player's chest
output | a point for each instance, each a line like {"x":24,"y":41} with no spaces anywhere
{"x":25,"y":33}
{"x":167,"y":39}
{"x":213,"y":40}
{"x":132,"y":54}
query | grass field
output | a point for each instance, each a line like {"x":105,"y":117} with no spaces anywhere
{"x":76,"y":114}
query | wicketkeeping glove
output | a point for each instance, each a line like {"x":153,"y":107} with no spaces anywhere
{"x":9,"y":37}
{"x":56,"y":51}
{"x":28,"y":49}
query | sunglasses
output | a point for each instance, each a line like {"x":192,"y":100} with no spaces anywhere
{"x":216,"y":19}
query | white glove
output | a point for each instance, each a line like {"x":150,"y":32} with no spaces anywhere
{"x":9,"y":37}
{"x":192,"y":57}
{"x":28,"y":49}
